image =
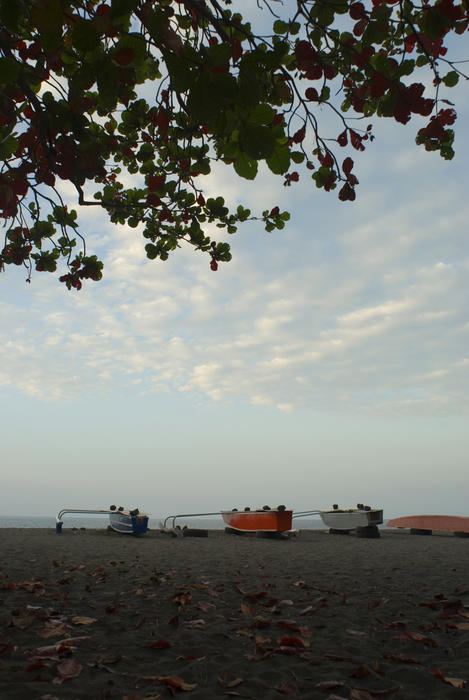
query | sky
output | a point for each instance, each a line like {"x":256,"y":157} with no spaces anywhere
{"x":326,"y":363}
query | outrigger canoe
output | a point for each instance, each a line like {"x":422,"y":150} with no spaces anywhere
{"x":122,"y":520}
{"x":262,"y":520}
{"x":351,"y":518}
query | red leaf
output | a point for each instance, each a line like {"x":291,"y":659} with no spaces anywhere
{"x":160,"y":644}
{"x":293,"y":642}
{"x":342,"y":139}
{"x":162,"y":119}
{"x":347,"y":193}
{"x":347,"y":166}
{"x":155,"y":182}
{"x":299,"y":135}
{"x":124,"y":56}
{"x":356,"y":141}
{"x":312,"y":94}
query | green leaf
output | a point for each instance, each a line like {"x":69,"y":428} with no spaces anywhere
{"x":245,"y":167}
{"x":7,"y":147}
{"x":297,"y":156}
{"x":451,"y":79}
{"x":85,"y":36}
{"x":11,"y":12}
{"x":279,"y":161}
{"x":152,"y":251}
{"x":280,"y":27}
{"x":257,"y":141}
{"x":180,"y":72}
{"x":262,"y":114}
{"x":9,"y":71}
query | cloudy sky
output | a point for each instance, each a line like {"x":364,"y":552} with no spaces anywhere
{"x":326,"y":363}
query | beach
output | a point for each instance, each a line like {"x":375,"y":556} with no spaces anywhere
{"x":96,"y":615}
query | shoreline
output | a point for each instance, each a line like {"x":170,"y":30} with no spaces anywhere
{"x":312,"y":616}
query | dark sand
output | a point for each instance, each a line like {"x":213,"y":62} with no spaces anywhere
{"x":90,"y":614}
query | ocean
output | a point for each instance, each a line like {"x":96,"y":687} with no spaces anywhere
{"x":101,"y":521}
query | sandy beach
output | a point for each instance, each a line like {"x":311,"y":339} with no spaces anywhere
{"x":96,"y":615}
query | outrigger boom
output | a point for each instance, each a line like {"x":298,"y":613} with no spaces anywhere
{"x":188,"y":515}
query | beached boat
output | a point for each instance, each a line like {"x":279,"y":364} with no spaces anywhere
{"x":121,"y":520}
{"x":128,"y":521}
{"x":425,"y":524}
{"x":345,"y":519}
{"x":262,"y":520}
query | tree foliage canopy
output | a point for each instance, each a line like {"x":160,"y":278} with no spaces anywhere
{"x":92,"y":91}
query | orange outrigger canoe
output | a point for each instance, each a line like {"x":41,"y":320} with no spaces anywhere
{"x":262,"y":520}
{"x":441,"y":523}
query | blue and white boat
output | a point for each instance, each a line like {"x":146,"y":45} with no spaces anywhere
{"x":127,"y":522}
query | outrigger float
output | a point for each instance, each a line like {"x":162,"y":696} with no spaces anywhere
{"x":278,"y":521}
{"x":122,"y":520}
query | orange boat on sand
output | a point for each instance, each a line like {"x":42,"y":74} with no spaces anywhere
{"x":263,"y":520}
{"x":428,"y":523}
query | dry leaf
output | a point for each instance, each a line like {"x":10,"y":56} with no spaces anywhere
{"x":82,"y":620}
{"x":416,"y":637}
{"x":160,"y":644}
{"x":402,"y":658}
{"x":455,"y":682}
{"x":247,"y":610}
{"x":53,"y":631}
{"x":360,"y":672}
{"x":293,"y":642}
{"x":329,"y":685}
{"x":67,"y":669}
{"x":171,"y":681}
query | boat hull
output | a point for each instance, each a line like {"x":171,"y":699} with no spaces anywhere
{"x":352,"y":518}
{"x":258,"y":520}
{"x":125,"y":523}
{"x":442,"y":523}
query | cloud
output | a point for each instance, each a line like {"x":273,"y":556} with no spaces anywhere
{"x":353,"y":307}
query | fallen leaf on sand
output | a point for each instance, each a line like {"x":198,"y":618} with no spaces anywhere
{"x":195,"y":624}
{"x":223,"y":681}
{"x":416,"y":637}
{"x":329,"y":685}
{"x":293,"y":642}
{"x":82,"y":620}
{"x":67,"y":669}
{"x":455,"y":682}
{"x":402,"y":658}
{"x":171,"y":681}
{"x":160,"y":644}
{"x":362,"y":694}
{"x":247,"y":610}
{"x":53,"y":631}
{"x":360,"y":672}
